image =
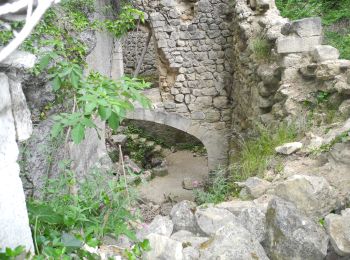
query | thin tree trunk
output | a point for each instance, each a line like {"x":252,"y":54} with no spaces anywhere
{"x":136,"y":73}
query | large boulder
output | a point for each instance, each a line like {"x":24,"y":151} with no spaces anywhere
{"x":182,"y":215}
{"x":210,"y":219}
{"x":232,"y":241}
{"x":291,"y":235}
{"x":338,"y":228}
{"x":311,"y":195}
{"x":163,"y":248}
{"x":254,"y":220}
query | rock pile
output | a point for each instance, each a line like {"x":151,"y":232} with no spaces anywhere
{"x":265,"y":228}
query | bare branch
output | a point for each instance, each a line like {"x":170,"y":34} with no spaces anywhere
{"x":28,"y":27}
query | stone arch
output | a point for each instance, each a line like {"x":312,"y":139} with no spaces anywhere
{"x":215,"y":142}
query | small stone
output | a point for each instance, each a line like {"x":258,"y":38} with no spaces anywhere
{"x":179,"y":98}
{"x":289,"y":148}
{"x":344,"y":108}
{"x":119,"y":139}
{"x":160,"y":171}
{"x":190,"y":184}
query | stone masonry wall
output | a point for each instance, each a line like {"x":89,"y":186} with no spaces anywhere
{"x":133,"y":46}
{"x":193,"y":43}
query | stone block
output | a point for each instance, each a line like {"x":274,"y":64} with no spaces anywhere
{"x":325,"y":52}
{"x":304,"y":27}
{"x":119,"y":139}
{"x":295,"y":44}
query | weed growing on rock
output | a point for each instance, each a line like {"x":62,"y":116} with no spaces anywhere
{"x":261,"y":49}
{"x":256,"y":152}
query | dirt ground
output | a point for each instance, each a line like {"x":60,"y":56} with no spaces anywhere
{"x":181,"y":164}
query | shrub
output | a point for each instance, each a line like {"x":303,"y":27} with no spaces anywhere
{"x":261,"y":49}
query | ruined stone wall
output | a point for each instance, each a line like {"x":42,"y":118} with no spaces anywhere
{"x":193,"y":43}
{"x":280,"y":65}
{"x":133,"y":46}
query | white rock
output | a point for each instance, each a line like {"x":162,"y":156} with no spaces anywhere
{"x":325,"y":52}
{"x":160,"y":225}
{"x":233,"y":241}
{"x":295,"y":44}
{"x":163,"y":248}
{"x":255,"y":187}
{"x":14,"y":223}
{"x":312,"y":195}
{"x":291,"y":235}
{"x":182,"y":215}
{"x":20,"y":60}
{"x":212,"y":219}
{"x":338,"y":228}
{"x":289,"y":148}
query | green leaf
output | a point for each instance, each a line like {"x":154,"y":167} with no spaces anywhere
{"x":74,"y":79}
{"x":70,"y":242}
{"x":78,"y":133}
{"x":44,"y":213}
{"x":104,"y":112}
{"x":89,"y":107}
{"x":56,"y":129}
{"x":44,"y":62}
{"x":56,"y":83}
{"x":113,"y":121}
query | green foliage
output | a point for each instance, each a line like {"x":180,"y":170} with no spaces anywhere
{"x":216,"y":190}
{"x":339,"y":41}
{"x":261,"y":48}
{"x":63,"y":221}
{"x":12,"y":253}
{"x":322,"y":97}
{"x":332,"y":12}
{"x":255,"y":153}
{"x":5,"y":37}
{"x":127,"y":21}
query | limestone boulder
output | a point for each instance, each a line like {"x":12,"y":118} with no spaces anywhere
{"x":312,"y":195}
{"x":254,"y":220}
{"x":254,"y":187}
{"x":325,"y":52}
{"x":183,"y":216}
{"x":163,"y":247}
{"x":232,"y":241}
{"x":160,"y":225}
{"x":338,"y":229}
{"x":210,"y":219}
{"x":291,"y":235}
